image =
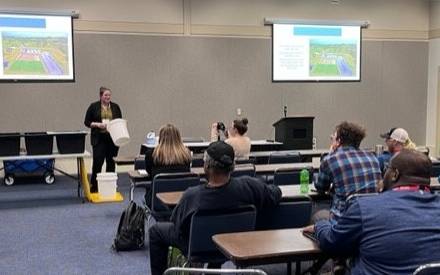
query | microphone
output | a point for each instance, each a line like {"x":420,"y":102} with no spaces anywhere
{"x":285,"y":110}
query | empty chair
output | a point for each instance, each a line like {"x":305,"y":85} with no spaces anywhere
{"x":207,"y":223}
{"x":138,"y":181}
{"x":189,"y":270}
{"x":169,"y":182}
{"x":197,"y":162}
{"x":284,"y":157}
{"x":285,"y":215}
{"x":428,"y":269}
{"x":247,"y":169}
{"x":435,"y":170}
{"x":288,"y":176}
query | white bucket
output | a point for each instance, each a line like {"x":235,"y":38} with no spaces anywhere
{"x":118,"y":131}
{"x":107,"y":185}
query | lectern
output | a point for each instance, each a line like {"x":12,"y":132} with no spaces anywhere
{"x":295,"y":132}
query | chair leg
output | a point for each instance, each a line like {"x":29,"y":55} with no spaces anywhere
{"x":289,"y":268}
{"x":298,"y":268}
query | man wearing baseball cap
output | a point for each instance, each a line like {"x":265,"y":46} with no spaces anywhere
{"x":396,"y":140}
{"x":221,"y":192}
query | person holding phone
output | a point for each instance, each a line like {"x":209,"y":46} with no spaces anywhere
{"x":97,"y":117}
{"x":235,"y":136}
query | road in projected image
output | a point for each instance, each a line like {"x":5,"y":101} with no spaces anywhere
{"x":26,"y":53}
{"x":332,"y":58}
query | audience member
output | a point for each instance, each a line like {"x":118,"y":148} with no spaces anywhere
{"x":236,"y":137}
{"x":170,"y":155}
{"x":221,"y":192}
{"x":396,"y":139}
{"x":350,"y":169}
{"x":393,"y":232}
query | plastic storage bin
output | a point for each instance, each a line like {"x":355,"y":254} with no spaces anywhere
{"x":9,"y":144}
{"x":38,"y":143}
{"x":70,"y":142}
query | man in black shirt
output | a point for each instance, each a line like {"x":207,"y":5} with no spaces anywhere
{"x":221,"y":192}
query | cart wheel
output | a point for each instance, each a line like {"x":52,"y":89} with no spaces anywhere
{"x":49,"y":178}
{"x":9,"y":180}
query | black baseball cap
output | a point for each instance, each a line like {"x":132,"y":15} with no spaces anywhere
{"x":222,"y":152}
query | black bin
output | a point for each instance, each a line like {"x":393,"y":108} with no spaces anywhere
{"x":38,"y":143}
{"x":9,"y":144}
{"x":71,"y":142}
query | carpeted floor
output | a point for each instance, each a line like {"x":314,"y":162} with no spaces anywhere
{"x":47,"y":229}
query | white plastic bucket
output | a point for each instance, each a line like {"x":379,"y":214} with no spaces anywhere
{"x":107,"y":185}
{"x":118,"y":131}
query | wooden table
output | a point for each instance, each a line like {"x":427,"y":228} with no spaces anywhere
{"x":267,"y":247}
{"x":288,"y":192}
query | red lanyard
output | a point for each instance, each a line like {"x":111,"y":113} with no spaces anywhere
{"x":412,"y":188}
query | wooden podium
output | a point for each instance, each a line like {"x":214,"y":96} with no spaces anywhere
{"x":295,"y":132}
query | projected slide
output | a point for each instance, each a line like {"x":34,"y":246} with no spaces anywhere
{"x":36,"y":48}
{"x":316,"y":53}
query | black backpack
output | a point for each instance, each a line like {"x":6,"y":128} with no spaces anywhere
{"x":131,"y":229}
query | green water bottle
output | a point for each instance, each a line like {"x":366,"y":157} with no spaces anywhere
{"x":304,"y":181}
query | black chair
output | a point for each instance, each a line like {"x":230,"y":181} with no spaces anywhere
{"x":169,"y":182}
{"x":284,"y":157}
{"x":187,"y":270}
{"x":197,"y":162}
{"x":207,"y":223}
{"x":250,"y":160}
{"x":285,"y":215}
{"x":138,"y":181}
{"x":240,"y":170}
{"x":428,"y":269}
{"x":288,"y":176}
{"x":435,"y":170}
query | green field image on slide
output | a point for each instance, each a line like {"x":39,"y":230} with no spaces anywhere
{"x":28,"y":67}
{"x":28,"y":53}
{"x":329,"y":58}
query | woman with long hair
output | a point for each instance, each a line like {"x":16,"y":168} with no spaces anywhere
{"x":170,"y":155}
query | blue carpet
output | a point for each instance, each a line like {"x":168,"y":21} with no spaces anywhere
{"x":46,"y":229}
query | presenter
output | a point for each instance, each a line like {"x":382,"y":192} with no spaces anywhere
{"x":236,"y":137}
{"x":97,"y":117}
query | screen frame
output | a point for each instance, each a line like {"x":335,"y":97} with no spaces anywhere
{"x":72,"y":15}
{"x":272,"y":23}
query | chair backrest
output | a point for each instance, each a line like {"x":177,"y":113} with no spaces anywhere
{"x":192,"y":270}
{"x":288,"y":176}
{"x":285,"y":215}
{"x":170,"y":182}
{"x":192,"y":139}
{"x":435,"y":170}
{"x":197,"y":162}
{"x":207,"y":223}
{"x":139,"y":162}
{"x":247,"y":169}
{"x":250,"y":160}
{"x":428,"y":269}
{"x":284,"y":157}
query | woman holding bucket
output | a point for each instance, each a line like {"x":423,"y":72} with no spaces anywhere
{"x":169,"y":156}
{"x":97,"y":117}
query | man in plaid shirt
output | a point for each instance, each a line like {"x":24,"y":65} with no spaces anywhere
{"x":350,"y":169}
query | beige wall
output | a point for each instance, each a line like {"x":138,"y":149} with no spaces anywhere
{"x":176,"y":76}
{"x":390,"y":19}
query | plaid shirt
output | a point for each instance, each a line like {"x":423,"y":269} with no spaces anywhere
{"x":351,"y":171}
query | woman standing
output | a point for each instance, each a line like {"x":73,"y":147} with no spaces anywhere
{"x":97,"y":117}
{"x":170,"y":155}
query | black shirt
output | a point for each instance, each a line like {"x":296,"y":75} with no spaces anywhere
{"x":237,"y":192}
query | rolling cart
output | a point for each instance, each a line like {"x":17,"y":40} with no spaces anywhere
{"x":29,"y":167}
